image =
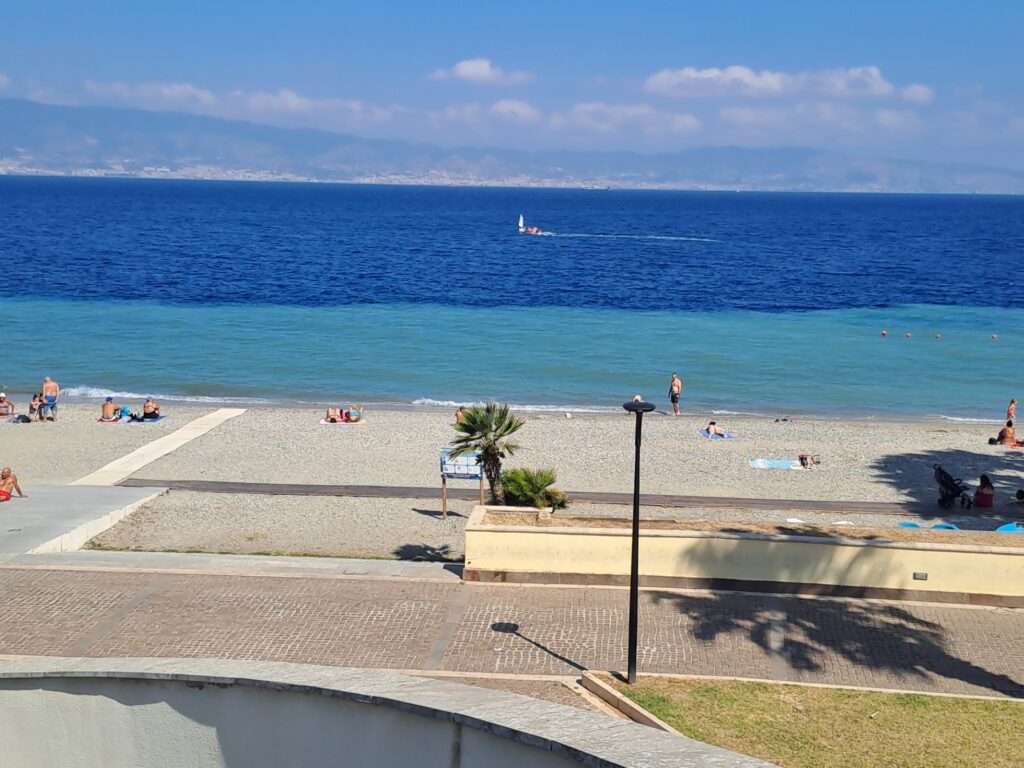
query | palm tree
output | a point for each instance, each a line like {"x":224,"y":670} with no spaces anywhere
{"x":485,"y":430}
{"x":532,"y":488}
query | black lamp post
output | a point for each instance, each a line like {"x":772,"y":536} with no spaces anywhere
{"x":639,"y":408}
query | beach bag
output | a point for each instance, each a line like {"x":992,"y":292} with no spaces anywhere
{"x":22,"y":419}
{"x":126,"y":412}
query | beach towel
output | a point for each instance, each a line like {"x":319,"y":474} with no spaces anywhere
{"x":727,"y":435}
{"x":130,"y":421}
{"x":1010,"y":528}
{"x":774,"y":464}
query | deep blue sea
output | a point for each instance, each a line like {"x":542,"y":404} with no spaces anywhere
{"x":764,"y":303}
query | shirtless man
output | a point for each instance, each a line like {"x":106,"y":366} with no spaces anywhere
{"x":9,"y":484}
{"x":110,"y":411}
{"x":51,"y":396}
{"x":1008,"y":436}
{"x":6,"y":406}
{"x":675,"y":389}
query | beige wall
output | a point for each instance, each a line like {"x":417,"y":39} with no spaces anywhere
{"x":746,"y":557}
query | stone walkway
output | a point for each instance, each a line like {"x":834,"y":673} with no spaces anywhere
{"x":336,"y":618}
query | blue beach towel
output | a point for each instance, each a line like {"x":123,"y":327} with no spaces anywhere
{"x":774,"y":464}
{"x":1010,"y":528}
{"x":909,"y":525}
{"x":727,"y":435}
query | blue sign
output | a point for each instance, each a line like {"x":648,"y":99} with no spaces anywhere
{"x":464,"y":467}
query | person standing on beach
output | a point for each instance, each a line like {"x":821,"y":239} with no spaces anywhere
{"x":675,"y":389}
{"x":1011,"y":410}
{"x":51,"y":396}
{"x":9,"y":484}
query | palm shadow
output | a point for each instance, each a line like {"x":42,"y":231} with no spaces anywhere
{"x":913,"y":474}
{"x":427,"y":553}
{"x":806,"y":633}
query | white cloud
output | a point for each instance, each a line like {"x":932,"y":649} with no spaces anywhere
{"x":917,"y":93}
{"x":4,"y":81}
{"x":515,"y":111}
{"x":743,"y":81}
{"x":283,"y":106}
{"x":153,"y":94}
{"x":903,"y":120}
{"x":600,"y":117}
{"x":481,"y":71}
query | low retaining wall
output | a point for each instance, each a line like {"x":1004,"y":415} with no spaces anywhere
{"x":745,"y":561}
{"x":179,"y":713}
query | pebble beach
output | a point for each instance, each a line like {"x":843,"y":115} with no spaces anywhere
{"x":861,"y":460}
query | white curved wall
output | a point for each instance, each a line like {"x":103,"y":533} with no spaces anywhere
{"x":83,"y":713}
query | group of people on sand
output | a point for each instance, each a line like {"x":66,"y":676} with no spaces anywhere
{"x":350,"y":415}
{"x":112,"y":412}
{"x":1008,"y":434}
{"x":42,"y":408}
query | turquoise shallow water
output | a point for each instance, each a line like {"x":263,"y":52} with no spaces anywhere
{"x":829,"y":362}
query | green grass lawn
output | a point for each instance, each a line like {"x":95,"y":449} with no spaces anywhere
{"x":797,"y":727}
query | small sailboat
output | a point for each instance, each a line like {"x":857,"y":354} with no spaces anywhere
{"x":525,"y":230}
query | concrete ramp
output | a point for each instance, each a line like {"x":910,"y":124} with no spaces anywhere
{"x":61,"y":518}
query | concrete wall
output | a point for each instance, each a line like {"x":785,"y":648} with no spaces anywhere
{"x":691,"y":557}
{"x":214,"y":714}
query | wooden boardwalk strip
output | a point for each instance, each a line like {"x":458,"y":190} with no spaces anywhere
{"x":586,"y":497}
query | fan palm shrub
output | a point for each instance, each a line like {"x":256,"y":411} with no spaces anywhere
{"x":486,"y":430}
{"x":532,"y":488}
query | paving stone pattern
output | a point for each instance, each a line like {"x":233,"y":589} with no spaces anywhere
{"x":401,"y":624}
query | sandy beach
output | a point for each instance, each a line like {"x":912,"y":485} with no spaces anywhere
{"x":63,"y":451}
{"x":861,"y":460}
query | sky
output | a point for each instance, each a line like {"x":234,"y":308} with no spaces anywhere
{"x":938,"y":81}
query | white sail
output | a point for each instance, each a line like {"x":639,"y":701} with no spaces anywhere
{"x":522,"y":224}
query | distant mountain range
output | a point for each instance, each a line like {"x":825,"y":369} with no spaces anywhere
{"x":100,"y":141}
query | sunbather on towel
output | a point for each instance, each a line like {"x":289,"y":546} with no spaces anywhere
{"x":354,"y":414}
{"x":1008,"y":436}
{"x":110,"y":411}
{"x":334,"y":415}
{"x":151,"y":409}
{"x":713,"y":429}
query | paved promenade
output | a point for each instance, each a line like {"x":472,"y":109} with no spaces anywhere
{"x":339,"y":613}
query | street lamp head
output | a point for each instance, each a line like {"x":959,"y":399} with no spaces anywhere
{"x":640,"y":406}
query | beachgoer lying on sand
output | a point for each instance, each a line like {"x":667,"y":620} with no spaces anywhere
{"x":110,"y":411}
{"x":354,"y":414}
{"x":335,"y":415}
{"x":1008,"y":436}
{"x":985,"y":496}
{"x":6,"y":406}
{"x":9,"y":484}
{"x":150,"y":409}
{"x":713,"y":429}
{"x":34,"y":406}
